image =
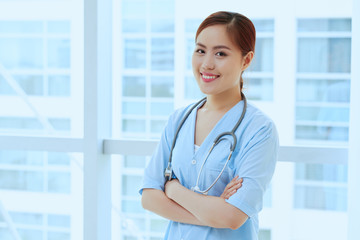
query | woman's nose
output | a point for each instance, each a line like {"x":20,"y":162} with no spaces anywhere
{"x":208,"y":63}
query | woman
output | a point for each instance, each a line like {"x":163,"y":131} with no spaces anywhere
{"x":225,"y":45}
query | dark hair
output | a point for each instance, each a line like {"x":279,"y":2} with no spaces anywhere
{"x":239,"y":28}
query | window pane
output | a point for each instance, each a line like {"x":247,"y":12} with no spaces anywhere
{"x":321,"y":172}
{"x":58,"y":158}
{"x":28,"y":171}
{"x":264,"y":55}
{"x":131,"y":185}
{"x":21,"y":53}
{"x":162,"y":8}
{"x":192,"y":90}
{"x":134,"y":161}
{"x":264,"y":25}
{"x":29,"y":158}
{"x":134,"y":25}
{"x":329,"y":133}
{"x":30,"y":234}
{"x":133,"y":125}
{"x":135,"y":53}
{"x":134,"y":86}
{"x":58,"y":236}
{"x":61,"y":124}
{"x":162,"y":108}
{"x":27,"y":218}
{"x":19,"y":123}
{"x":43,"y":180}
{"x":22,"y":180}
{"x":321,"y":197}
{"x":162,"y":86}
{"x":133,"y":8}
{"x":31,"y":84}
{"x":157,"y":126}
{"x":59,"y":220}
{"x":324,"y":25}
{"x":322,"y":110}
{"x":59,"y":53}
{"x":59,"y":182}
{"x":134,"y":108}
{"x":162,"y":25}
{"x":162,"y":54}
{"x":58,"y":27}
{"x":323,"y":114}
{"x":324,"y":55}
{"x":258,"y":88}
{"x":36,"y":56}
{"x":131,"y":206}
{"x":5,"y":88}
{"x":27,"y":27}
{"x":318,"y":90}
{"x":59,"y":85}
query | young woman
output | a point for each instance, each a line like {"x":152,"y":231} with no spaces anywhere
{"x":218,"y":191}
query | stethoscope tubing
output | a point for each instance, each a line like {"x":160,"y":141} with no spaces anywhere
{"x":219,"y":138}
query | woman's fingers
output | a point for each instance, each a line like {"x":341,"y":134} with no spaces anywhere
{"x":232,"y":187}
{"x":232,"y":183}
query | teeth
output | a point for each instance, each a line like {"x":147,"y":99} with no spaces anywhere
{"x":209,"y":77}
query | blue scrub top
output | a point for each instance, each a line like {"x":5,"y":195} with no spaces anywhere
{"x":254,"y":160}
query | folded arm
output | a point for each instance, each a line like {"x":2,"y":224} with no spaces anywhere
{"x":209,"y":210}
{"x":156,"y":201}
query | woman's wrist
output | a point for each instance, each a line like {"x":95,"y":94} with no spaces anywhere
{"x":170,"y":188}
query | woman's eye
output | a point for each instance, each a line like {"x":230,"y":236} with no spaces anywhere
{"x":221,"y":54}
{"x":200,"y":51}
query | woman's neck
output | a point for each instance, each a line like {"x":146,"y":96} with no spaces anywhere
{"x":222,"y":102}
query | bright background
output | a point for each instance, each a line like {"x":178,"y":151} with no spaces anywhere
{"x":85,"y":91}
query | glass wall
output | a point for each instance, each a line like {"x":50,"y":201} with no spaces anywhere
{"x":36,"y":77}
{"x":322,"y":108}
{"x":41,"y":96}
{"x":147,"y":80}
{"x":323,"y":79}
{"x":40,"y":194}
{"x":41,"y":191}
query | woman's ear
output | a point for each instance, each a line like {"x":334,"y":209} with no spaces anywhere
{"x":247,"y":59}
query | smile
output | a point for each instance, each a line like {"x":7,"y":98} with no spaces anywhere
{"x":208,"y":77}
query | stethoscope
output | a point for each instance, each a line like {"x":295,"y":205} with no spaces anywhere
{"x":169,"y":172}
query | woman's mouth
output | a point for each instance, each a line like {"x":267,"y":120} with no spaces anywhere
{"x":207,"y":77}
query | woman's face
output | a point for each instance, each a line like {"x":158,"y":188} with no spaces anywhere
{"x":217,"y":62}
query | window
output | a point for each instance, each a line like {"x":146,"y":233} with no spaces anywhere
{"x":35,"y":63}
{"x":300,"y":77}
{"x":322,"y":108}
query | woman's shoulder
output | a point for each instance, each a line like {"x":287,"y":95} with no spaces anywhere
{"x":257,"y":120}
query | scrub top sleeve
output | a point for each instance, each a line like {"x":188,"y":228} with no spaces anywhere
{"x":154,"y":172}
{"x":255,"y":164}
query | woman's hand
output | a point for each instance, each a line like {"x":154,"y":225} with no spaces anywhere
{"x":232,"y":187}
{"x":170,"y":186}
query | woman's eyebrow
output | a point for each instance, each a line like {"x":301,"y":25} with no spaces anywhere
{"x":216,"y":47}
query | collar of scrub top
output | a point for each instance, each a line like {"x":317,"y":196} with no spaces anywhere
{"x":169,"y":172}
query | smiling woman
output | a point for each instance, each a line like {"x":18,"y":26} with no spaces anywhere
{"x":235,"y":184}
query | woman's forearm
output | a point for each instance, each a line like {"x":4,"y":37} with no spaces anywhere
{"x":156,"y":201}
{"x":212,"y":211}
